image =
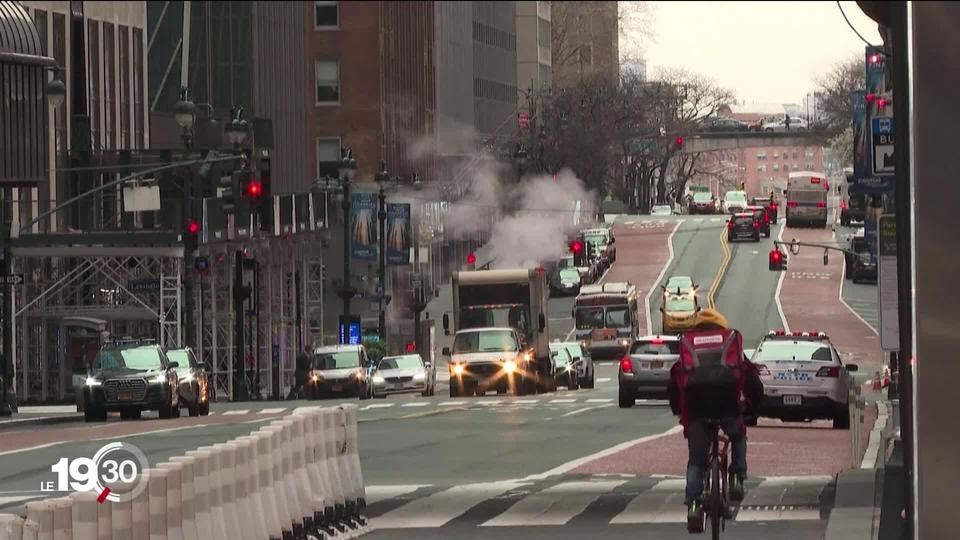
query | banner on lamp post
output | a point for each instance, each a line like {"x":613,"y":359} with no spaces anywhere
{"x":398,"y":235}
{"x":363,"y":226}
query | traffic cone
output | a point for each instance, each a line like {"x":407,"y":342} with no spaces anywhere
{"x":876,"y":382}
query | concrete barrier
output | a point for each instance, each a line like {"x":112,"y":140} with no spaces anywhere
{"x":298,"y":477}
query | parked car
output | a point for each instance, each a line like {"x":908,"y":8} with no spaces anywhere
{"x":661,"y":210}
{"x":864,"y":269}
{"x":780,"y":124}
{"x":130,"y":379}
{"x":404,"y":374}
{"x":723,"y":124}
{"x":645,"y":370}
{"x":340,"y":370}
{"x":195,"y":389}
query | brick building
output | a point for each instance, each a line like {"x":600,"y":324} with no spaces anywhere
{"x":585,"y":40}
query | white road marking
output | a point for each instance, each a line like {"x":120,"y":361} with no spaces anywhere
{"x":48,"y":409}
{"x":526,"y":401}
{"x":237,"y":411}
{"x":377,"y":406}
{"x":585,"y":409}
{"x":440,"y":508}
{"x":698,"y":220}
{"x":375,"y":494}
{"x":274,"y":410}
{"x":573,"y":464}
{"x":716,"y":219}
{"x":599,"y":400}
{"x":449,"y":403}
{"x":652,"y":506}
{"x":755,"y":252}
{"x":843,"y":280}
{"x":415,"y":404}
{"x":604,"y":379}
{"x":491,"y":402}
{"x":563,"y":401}
{"x":646,"y":299}
{"x":555,"y":505}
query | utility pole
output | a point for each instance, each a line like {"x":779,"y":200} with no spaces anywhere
{"x":382,"y":264}
{"x":240,"y":293}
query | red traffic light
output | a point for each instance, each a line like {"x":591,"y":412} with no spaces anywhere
{"x":254,"y":189}
{"x":410,"y":347}
{"x":776,"y":256}
{"x":471,"y":258}
{"x":874,"y":58}
{"x":576,"y":246}
{"x":680,"y":140}
{"x":193,"y":227}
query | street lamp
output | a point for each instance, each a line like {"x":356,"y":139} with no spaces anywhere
{"x":236,"y":129}
{"x":56,"y":92}
{"x":346,"y":171}
{"x":382,"y":177}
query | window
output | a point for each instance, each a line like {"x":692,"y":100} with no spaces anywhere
{"x":543,"y":32}
{"x":327,"y":14}
{"x":328,"y":151}
{"x":796,"y":167}
{"x":125,"y":131}
{"x":138,"y":119}
{"x":763,"y":168}
{"x":109,"y":87}
{"x":808,"y":154}
{"x":328,"y":81}
{"x":93,"y":46}
{"x":776,"y":155}
{"x":586,"y":54}
{"x":776,"y":167}
{"x":761,"y":155}
{"x":794,"y":154}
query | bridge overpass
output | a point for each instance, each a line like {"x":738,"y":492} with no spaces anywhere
{"x":708,"y":142}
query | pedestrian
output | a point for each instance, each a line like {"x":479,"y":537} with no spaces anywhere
{"x":302,"y":369}
{"x":786,"y":122}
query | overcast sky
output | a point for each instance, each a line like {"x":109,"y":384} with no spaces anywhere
{"x":767,"y":52}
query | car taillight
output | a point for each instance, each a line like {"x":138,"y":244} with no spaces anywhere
{"x":829,"y":371}
{"x":773,"y":206}
{"x":843,"y":205}
{"x":730,"y":225}
{"x":792,"y":204}
{"x":821,"y":205}
{"x":756,"y":224}
{"x":766,"y":218}
{"x":626,"y":364}
{"x":763,"y":369}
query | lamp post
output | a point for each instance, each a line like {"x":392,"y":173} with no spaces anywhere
{"x":184,"y":115}
{"x":346,"y":171}
{"x":382,"y":178}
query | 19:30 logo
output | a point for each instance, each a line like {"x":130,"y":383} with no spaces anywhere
{"x":114,"y":464}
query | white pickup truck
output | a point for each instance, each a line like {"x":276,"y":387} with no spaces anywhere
{"x":485,"y":358}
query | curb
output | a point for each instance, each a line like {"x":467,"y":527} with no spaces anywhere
{"x":39,"y":421}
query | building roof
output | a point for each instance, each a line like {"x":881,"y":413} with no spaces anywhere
{"x":19,"y":40}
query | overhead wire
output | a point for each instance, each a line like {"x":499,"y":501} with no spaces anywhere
{"x":863,"y":39}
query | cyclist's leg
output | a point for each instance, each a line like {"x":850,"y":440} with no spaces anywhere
{"x":736,"y":432}
{"x":698,"y":448}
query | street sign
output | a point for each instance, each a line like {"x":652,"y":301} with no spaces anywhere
{"x":887,"y":284}
{"x":201,"y":264}
{"x":523,"y":119}
{"x":646,"y":145}
{"x":882,"y":136}
{"x":416,"y":280}
{"x":149,"y":284}
{"x":13,"y":279}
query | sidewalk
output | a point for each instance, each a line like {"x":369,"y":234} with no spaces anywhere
{"x":40,"y":415}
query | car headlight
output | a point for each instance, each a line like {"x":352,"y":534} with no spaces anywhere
{"x":458,"y":369}
{"x":509,"y":366}
{"x":189,"y":377}
{"x":378,"y":379}
{"x":162,"y":377}
{"x":314,"y":377}
{"x":359,"y":374}
{"x":624,"y":342}
{"x":419,"y":377}
{"x":92,"y":382}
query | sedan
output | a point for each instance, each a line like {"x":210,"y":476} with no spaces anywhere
{"x":195,"y":388}
{"x":761,"y":215}
{"x":405,"y":374}
{"x":645,"y":370}
{"x":565,"y":367}
{"x":724,"y":125}
{"x":803,"y":378}
{"x":565,"y":282}
{"x":586,"y":377}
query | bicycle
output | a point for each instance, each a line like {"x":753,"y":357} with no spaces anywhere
{"x":715,"y":499}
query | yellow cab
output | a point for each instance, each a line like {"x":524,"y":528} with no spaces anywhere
{"x":679,"y":311}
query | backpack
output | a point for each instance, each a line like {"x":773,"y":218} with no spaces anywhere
{"x":712,"y":372}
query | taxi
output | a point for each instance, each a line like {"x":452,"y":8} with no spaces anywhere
{"x":679,"y":311}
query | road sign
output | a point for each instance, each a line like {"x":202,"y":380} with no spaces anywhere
{"x":13,"y":279}
{"x":887,"y":281}
{"x":882,"y":135}
{"x":416,"y":280}
{"x":148,"y":284}
{"x":201,"y":264}
{"x":646,"y":145}
{"x":523,"y":119}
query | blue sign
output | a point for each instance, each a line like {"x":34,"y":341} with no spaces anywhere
{"x":872,"y":185}
{"x":870,"y":236}
{"x":363,"y":226}
{"x":399,"y":234}
{"x":350,"y":336}
{"x":861,"y":158}
{"x":881,"y":149}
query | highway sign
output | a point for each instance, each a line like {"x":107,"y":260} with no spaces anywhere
{"x":882,"y":135}
{"x":13,"y":279}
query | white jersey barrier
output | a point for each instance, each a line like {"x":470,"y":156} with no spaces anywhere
{"x":298,"y":478}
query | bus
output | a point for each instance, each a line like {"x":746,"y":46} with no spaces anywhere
{"x":607,"y":320}
{"x":807,"y":199}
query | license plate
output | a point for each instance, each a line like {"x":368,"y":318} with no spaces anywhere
{"x":644,"y":365}
{"x":398,"y":386}
{"x":792,"y":400}
{"x":124,"y":396}
{"x":656,"y":364}
{"x":338,"y":388}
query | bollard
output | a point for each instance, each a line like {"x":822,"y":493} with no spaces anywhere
{"x":284,"y":504}
{"x":174,"y":499}
{"x":336,"y":509}
{"x":116,"y":518}
{"x":84,"y":515}
{"x":226,"y":480}
{"x":298,"y":505}
{"x":255,"y":502}
{"x":324,"y":519}
{"x":351,"y":491}
{"x":241,"y":489}
{"x":140,"y":510}
{"x":217,"y":517}
{"x":187,"y":501}
{"x":62,"y":518}
{"x":41,"y":513}
{"x":311,"y":459}
{"x":353,"y":462}
{"x":157,"y":489}
{"x":272,"y":516}
{"x":31,"y":530}
{"x":11,"y":527}
{"x":203,"y":514}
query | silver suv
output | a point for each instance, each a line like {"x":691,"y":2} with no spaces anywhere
{"x":803,"y":378}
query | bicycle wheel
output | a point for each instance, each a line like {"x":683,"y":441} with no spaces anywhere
{"x":715,"y":498}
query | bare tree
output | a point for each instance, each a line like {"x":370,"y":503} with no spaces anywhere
{"x":835,"y":89}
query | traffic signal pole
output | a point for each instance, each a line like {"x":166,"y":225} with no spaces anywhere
{"x":239,"y":295}
{"x":6,"y":407}
{"x":189,"y":246}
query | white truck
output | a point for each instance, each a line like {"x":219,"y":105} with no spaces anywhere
{"x":491,"y":308}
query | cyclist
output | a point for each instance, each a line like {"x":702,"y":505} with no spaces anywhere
{"x":729,"y":413}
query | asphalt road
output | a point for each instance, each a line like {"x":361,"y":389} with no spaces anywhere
{"x":861,"y":297}
{"x":500,"y":466}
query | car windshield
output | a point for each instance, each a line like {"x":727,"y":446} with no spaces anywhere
{"x":736,"y":197}
{"x":131,"y":358}
{"x":740,"y":220}
{"x":589,"y":317}
{"x":575,"y":350}
{"x":791,"y":351}
{"x":865,"y":256}
{"x":618,"y":317}
{"x":336,"y":360}
{"x":655,"y":346}
{"x":596,"y":239}
{"x":181,"y":357}
{"x":702,"y":197}
{"x":679,"y":303}
{"x":569,"y":274}
{"x":566,"y":262}
{"x":401,"y":362}
{"x":486,"y":341}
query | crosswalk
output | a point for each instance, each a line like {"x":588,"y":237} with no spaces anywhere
{"x":614,"y":499}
